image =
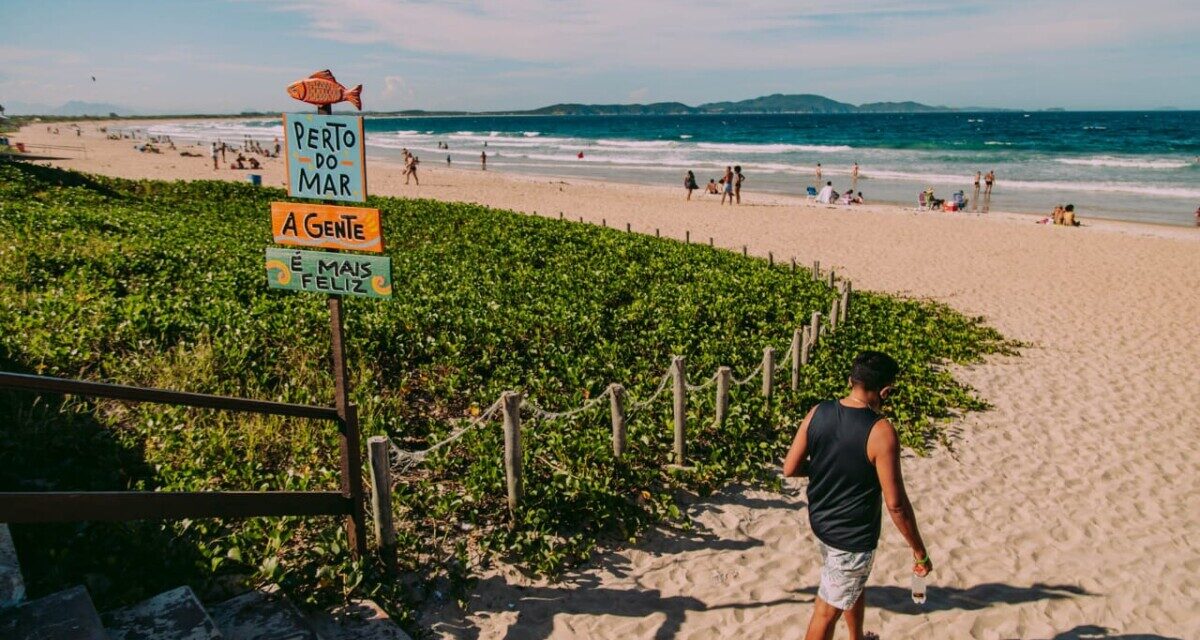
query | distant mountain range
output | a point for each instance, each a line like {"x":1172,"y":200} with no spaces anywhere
{"x":777,"y":103}
{"x":72,"y":108}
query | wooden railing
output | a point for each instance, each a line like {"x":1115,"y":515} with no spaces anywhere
{"x":60,"y":506}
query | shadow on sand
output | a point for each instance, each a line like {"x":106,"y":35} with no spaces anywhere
{"x":1096,"y":632}
{"x":981,"y":596}
{"x":585,"y":597}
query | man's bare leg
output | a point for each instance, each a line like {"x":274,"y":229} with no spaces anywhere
{"x":824,"y":620}
{"x":854,"y":618}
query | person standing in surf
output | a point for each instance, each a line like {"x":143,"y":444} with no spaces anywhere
{"x":851,"y":455}
{"x":738,"y":179}
{"x":975,"y":193}
{"x":988,"y":180}
{"x":727,"y":186}
{"x":854,"y":177}
{"x":818,"y":173}
{"x":483,"y":158}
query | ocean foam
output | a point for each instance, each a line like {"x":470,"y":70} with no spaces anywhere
{"x":733,"y":147}
{"x":1126,"y":163}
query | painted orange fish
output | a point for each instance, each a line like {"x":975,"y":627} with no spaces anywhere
{"x":321,"y":89}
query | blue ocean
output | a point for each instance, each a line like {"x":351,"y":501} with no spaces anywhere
{"x":1140,"y":166}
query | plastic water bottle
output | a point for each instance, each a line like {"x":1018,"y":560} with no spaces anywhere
{"x":918,"y":589}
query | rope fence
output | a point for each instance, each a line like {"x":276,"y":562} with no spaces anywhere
{"x":512,"y":406}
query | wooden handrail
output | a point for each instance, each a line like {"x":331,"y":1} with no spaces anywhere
{"x":36,"y":383}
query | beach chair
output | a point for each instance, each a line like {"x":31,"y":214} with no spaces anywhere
{"x":921,"y":201}
{"x":812,"y":193}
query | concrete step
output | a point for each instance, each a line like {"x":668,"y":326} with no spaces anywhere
{"x":66,"y":615}
{"x":12,"y":585}
{"x":172,"y":615}
{"x":359,"y":620}
{"x":263,"y":614}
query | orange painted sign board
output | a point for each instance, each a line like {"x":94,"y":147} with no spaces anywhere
{"x":300,"y":224}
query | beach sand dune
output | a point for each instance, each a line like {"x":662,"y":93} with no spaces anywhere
{"x":1071,"y":509}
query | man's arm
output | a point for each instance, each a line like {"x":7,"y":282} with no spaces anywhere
{"x":793,"y":464}
{"x":883,"y":449}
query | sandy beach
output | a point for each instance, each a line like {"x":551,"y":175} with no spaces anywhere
{"x":1071,"y":509}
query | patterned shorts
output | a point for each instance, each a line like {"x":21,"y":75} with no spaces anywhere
{"x":843,"y":575}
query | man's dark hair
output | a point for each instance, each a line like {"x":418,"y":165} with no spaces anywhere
{"x":874,"y":370}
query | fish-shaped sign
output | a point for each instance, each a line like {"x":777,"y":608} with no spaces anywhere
{"x":322,"y":89}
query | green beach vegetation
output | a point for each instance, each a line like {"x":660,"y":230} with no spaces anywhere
{"x":162,"y":284}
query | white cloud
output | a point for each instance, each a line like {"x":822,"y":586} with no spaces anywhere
{"x":762,"y":34}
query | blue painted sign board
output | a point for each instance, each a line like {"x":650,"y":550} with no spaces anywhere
{"x":326,"y":157}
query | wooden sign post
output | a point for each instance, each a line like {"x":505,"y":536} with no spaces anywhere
{"x":326,"y":161}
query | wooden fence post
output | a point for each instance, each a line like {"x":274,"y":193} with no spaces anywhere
{"x":604,"y":222}
{"x":679,"y":373}
{"x":581,"y":219}
{"x":831,"y":278}
{"x":616,"y":401}
{"x":628,"y":228}
{"x":835,"y":313}
{"x":511,"y":406}
{"x":845,"y":300}
{"x":768,"y":368}
{"x":687,"y":238}
{"x":797,"y":337}
{"x":724,"y":378}
{"x":657,"y":234}
{"x":805,"y":345}
{"x":816,"y":270}
{"x":815,"y":331}
{"x":793,"y":266}
{"x":378,"y":448}
{"x":710,"y":241}
{"x":560,"y":215}
{"x":744,"y":252}
{"x":770,"y":258}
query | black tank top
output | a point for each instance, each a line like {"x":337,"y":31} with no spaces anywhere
{"x":844,"y":498}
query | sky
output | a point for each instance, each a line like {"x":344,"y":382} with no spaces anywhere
{"x":227,"y":56}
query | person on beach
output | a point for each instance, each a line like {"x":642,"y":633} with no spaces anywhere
{"x":854,"y":176}
{"x":411,"y":170}
{"x":975,"y":193}
{"x":818,"y":173}
{"x":851,"y":455}
{"x":213,"y":153}
{"x":483,"y":158}
{"x":738,"y":179}
{"x":447,"y":159}
{"x":712,"y":187}
{"x":988,"y":180}
{"x":827,"y":195}
{"x":727,"y":186}
{"x":689,"y":183}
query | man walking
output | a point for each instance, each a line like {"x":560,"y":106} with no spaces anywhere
{"x":851,"y":455}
